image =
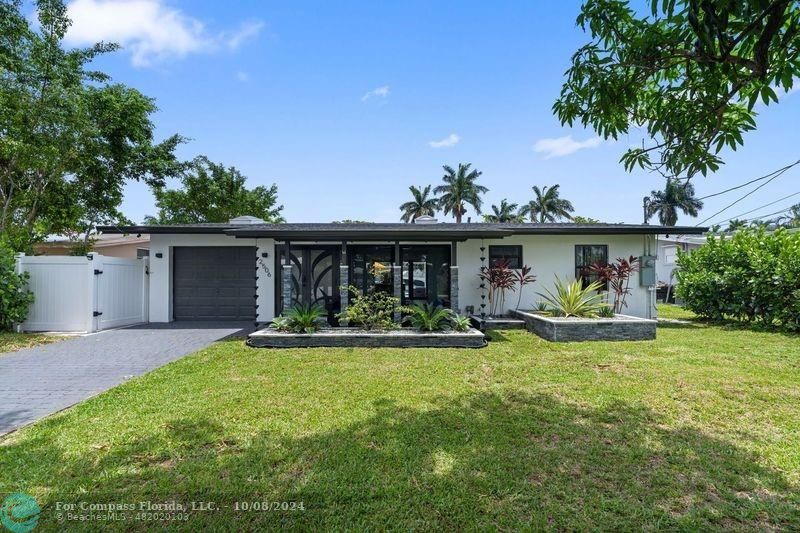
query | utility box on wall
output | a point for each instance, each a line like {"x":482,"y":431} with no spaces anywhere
{"x":647,"y":270}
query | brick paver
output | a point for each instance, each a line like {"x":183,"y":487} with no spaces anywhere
{"x":39,"y":381}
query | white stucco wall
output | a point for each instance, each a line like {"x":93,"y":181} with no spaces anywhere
{"x":549,"y":255}
{"x":161,"y":271}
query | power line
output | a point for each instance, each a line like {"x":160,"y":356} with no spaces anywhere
{"x":758,"y":208}
{"x":787,"y":167}
{"x":777,"y":174}
{"x":770,"y":214}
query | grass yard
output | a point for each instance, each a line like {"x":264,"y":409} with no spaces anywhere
{"x":672,"y":311}
{"x":699,"y":429}
{"x":10,"y":342}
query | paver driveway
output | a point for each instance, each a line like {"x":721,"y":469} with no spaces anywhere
{"x":39,"y":381}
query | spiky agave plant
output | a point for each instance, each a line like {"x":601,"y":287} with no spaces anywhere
{"x":429,"y":317}
{"x":573,"y":299}
{"x":460,"y":322}
{"x":302,"y":318}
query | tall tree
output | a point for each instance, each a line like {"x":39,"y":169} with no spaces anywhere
{"x":69,"y":139}
{"x":547,"y":205}
{"x":689,"y":73}
{"x":460,"y":189}
{"x":505,"y":212}
{"x":421,"y":205}
{"x":213,"y":192}
{"x":736,"y":224}
{"x":675,"y":196}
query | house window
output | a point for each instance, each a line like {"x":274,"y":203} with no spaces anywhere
{"x":511,"y":254}
{"x":587,"y":255}
{"x":670,"y":254}
{"x":142,"y":252}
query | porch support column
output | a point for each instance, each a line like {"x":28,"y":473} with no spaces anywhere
{"x":286,"y":279}
{"x":344,"y":293}
{"x":454,"y":303}
{"x":397,"y":279}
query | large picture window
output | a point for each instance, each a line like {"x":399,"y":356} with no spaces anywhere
{"x":587,"y":255}
{"x":511,"y":254}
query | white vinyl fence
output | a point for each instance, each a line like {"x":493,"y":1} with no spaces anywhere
{"x":85,"y":293}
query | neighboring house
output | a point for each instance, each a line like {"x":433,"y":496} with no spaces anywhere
{"x":668,"y":246}
{"x":132,"y":246}
{"x":248,"y":270}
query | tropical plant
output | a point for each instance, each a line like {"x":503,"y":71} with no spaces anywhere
{"x":605,"y":311}
{"x":429,"y":317}
{"x":736,"y":224}
{"x":547,"y":205}
{"x":573,"y":299}
{"x":459,"y":190}
{"x":578,"y":219}
{"x":617,"y":276}
{"x":687,"y":72}
{"x":505,"y":212}
{"x":15,"y":298}
{"x":302,"y":318}
{"x":542,"y":307}
{"x":791,"y":219}
{"x":752,"y":275}
{"x":213,"y":192}
{"x":373,"y":310}
{"x":500,"y":278}
{"x":460,"y":322}
{"x":523,"y":277}
{"x":421,"y":205}
{"x":675,"y":196}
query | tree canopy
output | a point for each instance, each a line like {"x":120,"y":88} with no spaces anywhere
{"x":676,"y":196}
{"x":421,"y":204}
{"x":505,"y":212}
{"x":213,"y":192}
{"x":689,"y":73}
{"x":547,"y":205}
{"x":460,"y":188}
{"x":69,"y":139}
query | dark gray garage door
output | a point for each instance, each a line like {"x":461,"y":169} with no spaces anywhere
{"x":214,"y":283}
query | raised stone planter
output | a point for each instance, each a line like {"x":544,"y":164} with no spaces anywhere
{"x":347,"y":337}
{"x":619,"y":328}
{"x":497,"y":322}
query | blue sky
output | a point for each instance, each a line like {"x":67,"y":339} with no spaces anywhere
{"x":345,"y":104}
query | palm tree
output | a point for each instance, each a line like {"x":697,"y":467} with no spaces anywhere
{"x":421,"y":205}
{"x":460,"y":189}
{"x":547,"y":206}
{"x":736,"y":224}
{"x":675,"y":196}
{"x":505,"y":212}
{"x":790,"y":219}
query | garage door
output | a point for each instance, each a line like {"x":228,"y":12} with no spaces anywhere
{"x":213,"y":283}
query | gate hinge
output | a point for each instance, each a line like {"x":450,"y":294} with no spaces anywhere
{"x":97,"y":313}
{"x":97,"y":272}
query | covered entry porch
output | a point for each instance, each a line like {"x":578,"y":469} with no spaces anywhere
{"x":320,"y":273}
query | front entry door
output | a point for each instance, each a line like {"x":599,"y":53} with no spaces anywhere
{"x":315,"y":277}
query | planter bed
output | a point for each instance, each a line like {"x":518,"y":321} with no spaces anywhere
{"x":346,"y":337}
{"x":497,"y":322}
{"x":618,"y":328}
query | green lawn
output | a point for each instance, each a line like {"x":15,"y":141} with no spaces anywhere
{"x":10,"y":342}
{"x":674,"y":312}
{"x":699,"y":429}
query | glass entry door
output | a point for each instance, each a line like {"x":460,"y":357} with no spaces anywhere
{"x":426,"y":274}
{"x":315,"y":277}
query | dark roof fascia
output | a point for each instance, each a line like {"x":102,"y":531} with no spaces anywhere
{"x":180,"y":229}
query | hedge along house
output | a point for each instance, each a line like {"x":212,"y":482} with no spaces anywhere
{"x":249,"y":270}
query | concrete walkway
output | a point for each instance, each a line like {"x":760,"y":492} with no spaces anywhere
{"x":39,"y":381}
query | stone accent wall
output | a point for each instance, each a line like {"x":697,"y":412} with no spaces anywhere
{"x":344,"y":294}
{"x":286,"y":286}
{"x":454,"y":303}
{"x":397,"y":279}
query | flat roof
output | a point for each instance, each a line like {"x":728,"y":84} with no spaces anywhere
{"x":402,"y":231}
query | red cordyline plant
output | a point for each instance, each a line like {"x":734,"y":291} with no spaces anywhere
{"x":618,"y":277}
{"x":523,"y":277}
{"x":500,"y":278}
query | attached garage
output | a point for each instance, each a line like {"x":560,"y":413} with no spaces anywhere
{"x":214,"y":283}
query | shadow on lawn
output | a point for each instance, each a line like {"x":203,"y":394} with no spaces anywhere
{"x":481,"y":460}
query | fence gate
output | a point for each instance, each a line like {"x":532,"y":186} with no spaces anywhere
{"x":86,"y":293}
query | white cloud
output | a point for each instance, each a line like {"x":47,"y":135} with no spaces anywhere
{"x":379,"y":92}
{"x":447,"y":142}
{"x":149,"y":29}
{"x":562,"y":146}
{"x":242,"y":76}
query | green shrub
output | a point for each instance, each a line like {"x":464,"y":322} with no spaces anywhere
{"x":301,"y":318}
{"x":573,"y":299}
{"x":373,"y":310}
{"x":15,"y":298}
{"x":429,"y":317}
{"x":750,"y":276}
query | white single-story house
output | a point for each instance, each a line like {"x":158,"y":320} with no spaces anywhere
{"x":249,"y":270}
{"x":131,"y":246}
{"x":668,"y":246}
